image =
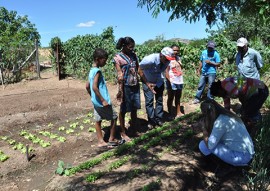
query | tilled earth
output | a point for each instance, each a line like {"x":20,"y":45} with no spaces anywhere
{"x":60,"y":107}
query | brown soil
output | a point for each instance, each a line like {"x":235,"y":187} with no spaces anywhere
{"x":47,"y":104}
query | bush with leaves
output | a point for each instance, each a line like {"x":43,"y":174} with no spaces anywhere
{"x":17,"y":41}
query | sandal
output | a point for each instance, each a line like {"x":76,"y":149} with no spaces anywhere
{"x":112,"y":143}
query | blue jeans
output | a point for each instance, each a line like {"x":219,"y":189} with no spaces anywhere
{"x":132,"y":99}
{"x":154,"y":114}
{"x":205,"y":78}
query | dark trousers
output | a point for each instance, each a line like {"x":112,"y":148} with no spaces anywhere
{"x":251,"y":107}
{"x":154,"y":114}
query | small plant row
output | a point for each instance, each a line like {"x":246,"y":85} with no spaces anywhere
{"x":35,"y":139}
{"x":135,"y":172}
{"x":52,"y":136}
{"x":75,"y":125}
{"x":16,"y":145}
{"x":154,"y":141}
{"x":117,"y":164}
{"x":72,"y":130}
{"x":3,"y":157}
{"x":119,"y":150}
{"x":125,"y":147}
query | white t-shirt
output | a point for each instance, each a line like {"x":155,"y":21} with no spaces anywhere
{"x":175,"y":72}
{"x":232,"y":133}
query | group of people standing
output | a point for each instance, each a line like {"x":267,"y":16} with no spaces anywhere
{"x":151,"y":71}
{"x":221,"y":126}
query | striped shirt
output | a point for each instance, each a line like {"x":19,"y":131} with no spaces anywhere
{"x":242,"y":88}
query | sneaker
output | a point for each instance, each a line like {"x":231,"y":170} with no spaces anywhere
{"x":196,"y":101}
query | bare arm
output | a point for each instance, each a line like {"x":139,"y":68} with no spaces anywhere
{"x":200,"y":68}
{"x":141,"y":74}
{"x":143,"y":78}
{"x":167,"y":73}
{"x":119,"y":73}
{"x":179,"y":61}
{"x":87,"y":87}
{"x":217,"y":64}
{"x":96,"y":90}
{"x":205,"y":135}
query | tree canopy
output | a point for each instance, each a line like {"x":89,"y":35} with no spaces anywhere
{"x":17,"y":39}
{"x":16,"y":29}
{"x":212,"y":10}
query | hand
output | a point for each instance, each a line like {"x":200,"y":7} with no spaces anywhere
{"x":151,"y":87}
{"x":120,"y":78}
{"x":198,"y":72}
{"x":105,"y":103}
{"x":207,"y":61}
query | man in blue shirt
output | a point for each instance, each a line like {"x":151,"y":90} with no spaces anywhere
{"x":150,"y":71}
{"x":207,"y":70}
{"x":248,"y":60}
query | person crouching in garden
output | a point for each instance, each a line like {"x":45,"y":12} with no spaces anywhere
{"x":225,"y":135}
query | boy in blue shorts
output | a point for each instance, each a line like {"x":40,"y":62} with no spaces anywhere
{"x":100,"y":98}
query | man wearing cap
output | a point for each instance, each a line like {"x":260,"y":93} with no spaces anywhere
{"x":151,"y":70}
{"x":209,"y":61}
{"x":248,"y":60}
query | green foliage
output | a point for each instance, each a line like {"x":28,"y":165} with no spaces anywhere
{"x":17,"y":41}
{"x":119,"y":163}
{"x":94,"y":176}
{"x":3,"y":157}
{"x":258,"y":176}
{"x":78,"y":56}
{"x":155,"y":185}
{"x":63,"y":169}
{"x":213,"y":11}
{"x":78,"y":53}
{"x":251,"y":29}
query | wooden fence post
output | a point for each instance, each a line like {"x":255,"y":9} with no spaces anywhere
{"x":37,"y":59}
{"x":58,"y":64}
{"x":1,"y":76}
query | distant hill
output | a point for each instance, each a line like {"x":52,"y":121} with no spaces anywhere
{"x":186,"y":41}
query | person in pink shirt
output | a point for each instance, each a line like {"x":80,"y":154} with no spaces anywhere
{"x":252,"y":94}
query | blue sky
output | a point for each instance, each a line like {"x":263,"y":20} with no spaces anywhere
{"x":67,"y":19}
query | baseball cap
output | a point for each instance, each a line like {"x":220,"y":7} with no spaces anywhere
{"x":168,"y":53}
{"x":211,"y":44}
{"x":242,"y":42}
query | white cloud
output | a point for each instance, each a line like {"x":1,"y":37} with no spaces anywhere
{"x":86,"y":24}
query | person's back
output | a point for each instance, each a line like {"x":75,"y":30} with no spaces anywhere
{"x":232,"y":133}
{"x":225,"y":135}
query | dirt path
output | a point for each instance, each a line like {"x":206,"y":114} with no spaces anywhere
{"x":48,"y":105}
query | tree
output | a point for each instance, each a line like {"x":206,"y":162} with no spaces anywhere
{"x":246,"y":26}
{"x":17,"y":39}
{"x":212,"y":10}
